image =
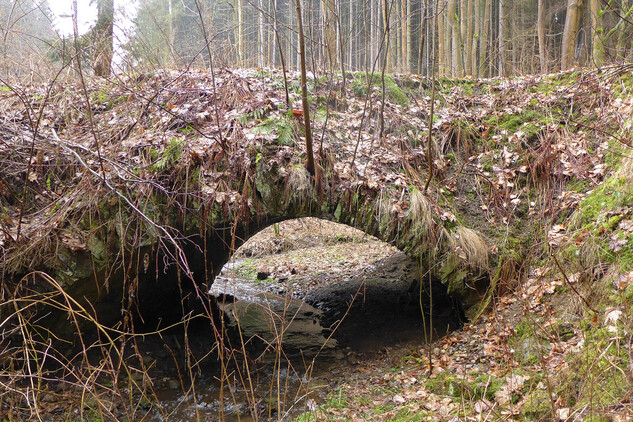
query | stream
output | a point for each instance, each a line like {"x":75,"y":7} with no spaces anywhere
{"x":296,"y":348}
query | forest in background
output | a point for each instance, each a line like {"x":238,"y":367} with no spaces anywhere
{"x":459,"y":38}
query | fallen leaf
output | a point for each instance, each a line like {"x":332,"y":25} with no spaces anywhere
{"x":482,"y":405}
{"x":398,"y":399}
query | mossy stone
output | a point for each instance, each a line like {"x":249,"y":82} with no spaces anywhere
{"x":537,"y":405}
{"x":529,"y":350}
{"x":96,"y":247}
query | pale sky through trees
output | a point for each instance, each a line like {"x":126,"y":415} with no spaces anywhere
{"x":62,"y":11}
{"x":125,"y":12}
{"x":87,"y":14}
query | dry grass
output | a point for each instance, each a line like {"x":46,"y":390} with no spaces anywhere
{"x":300,"y":194}
{"x":421,"y":216}
{"x":626,"y":167}
{"x":471,"y":247}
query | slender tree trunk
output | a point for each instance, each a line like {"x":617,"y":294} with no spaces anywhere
{"x":503,"y":37}
{"x":409,"y":31}
{"x":172,"y":34}
{"x":103,"y":32}
{"x":311,"y":24}
{"x":281,"y":54}
{"x":432,"y":37}
{"x":424,"y":12}
{"x":304,"y":91}
{"x":484,"y":47}
{"x":597,"y":33}
{"x":457,"y":52}
{"x":512,"y":23}
{"x":386,"y":24}
{"x":372,"y":33}
{"x":442,"y":42}
{"x":468,"y":16}
{"x":329,"y":11}
{"x":271,"y":53}
{"x":260,"y":35}
{"x":240,"y":30}
{"x":572,"y":24}
{"x":395,"y":35}
{"x":542,"y":41}
{"x":297,"y":53}
{"x":353,"y":37}
{"x":462,"y":17}
{"x":623,"y":30}
{"x":404,"y":43}
{"x":476,"y":36}
{"x":341,"y":48}
{"x":366,"y":33}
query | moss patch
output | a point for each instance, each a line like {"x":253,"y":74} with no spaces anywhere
{"x":393,"y":91}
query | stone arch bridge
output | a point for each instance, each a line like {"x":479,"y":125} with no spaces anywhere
{"x":135,"y":197}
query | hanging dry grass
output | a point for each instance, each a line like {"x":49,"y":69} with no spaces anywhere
{"x":420,"y":216}
{"x":471,"y":248}
{"x":300,"y":194}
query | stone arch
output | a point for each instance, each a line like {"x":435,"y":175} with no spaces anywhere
{"x":385,"y":290}
{"x":275,"y":187}
{"x":402,"y":216}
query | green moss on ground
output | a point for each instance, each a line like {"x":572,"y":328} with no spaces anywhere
{"x":393,"y":91}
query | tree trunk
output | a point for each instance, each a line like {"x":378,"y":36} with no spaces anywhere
{"x":260,"y":35}
{"x":502,"y":38}
{"x":623,"y":29}
{"x":542,"y":41}
{"x":171,"y":35}
{"x":468,"y":16}
{"x":597,"y":33}
{"x":463,"y":33}
{"x":572,"y":24}
{"x":103,"y":33}
{"x":477,"y":14}
{"x":329,"y":10}
{"x":457,"y":53}
{"x":386,"y":25}
{"x":484,"y":48}
{"x":341,"y":48}
{"x":240,"y":31}
{"x":353,"y":37}
{"x":409,"y":31}
{"x":444,"y":42}
{"x":422,"y":35}
{"x":304,"y":91}
{"x":281,"y":54}
{"x":372,"y":34}
{"x":404,"y":28}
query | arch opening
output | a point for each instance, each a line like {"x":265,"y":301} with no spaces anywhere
{"x":304,"y":298}
{"x":325,"y":284}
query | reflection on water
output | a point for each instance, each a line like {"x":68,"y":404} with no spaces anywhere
{"x":272,"y":318}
